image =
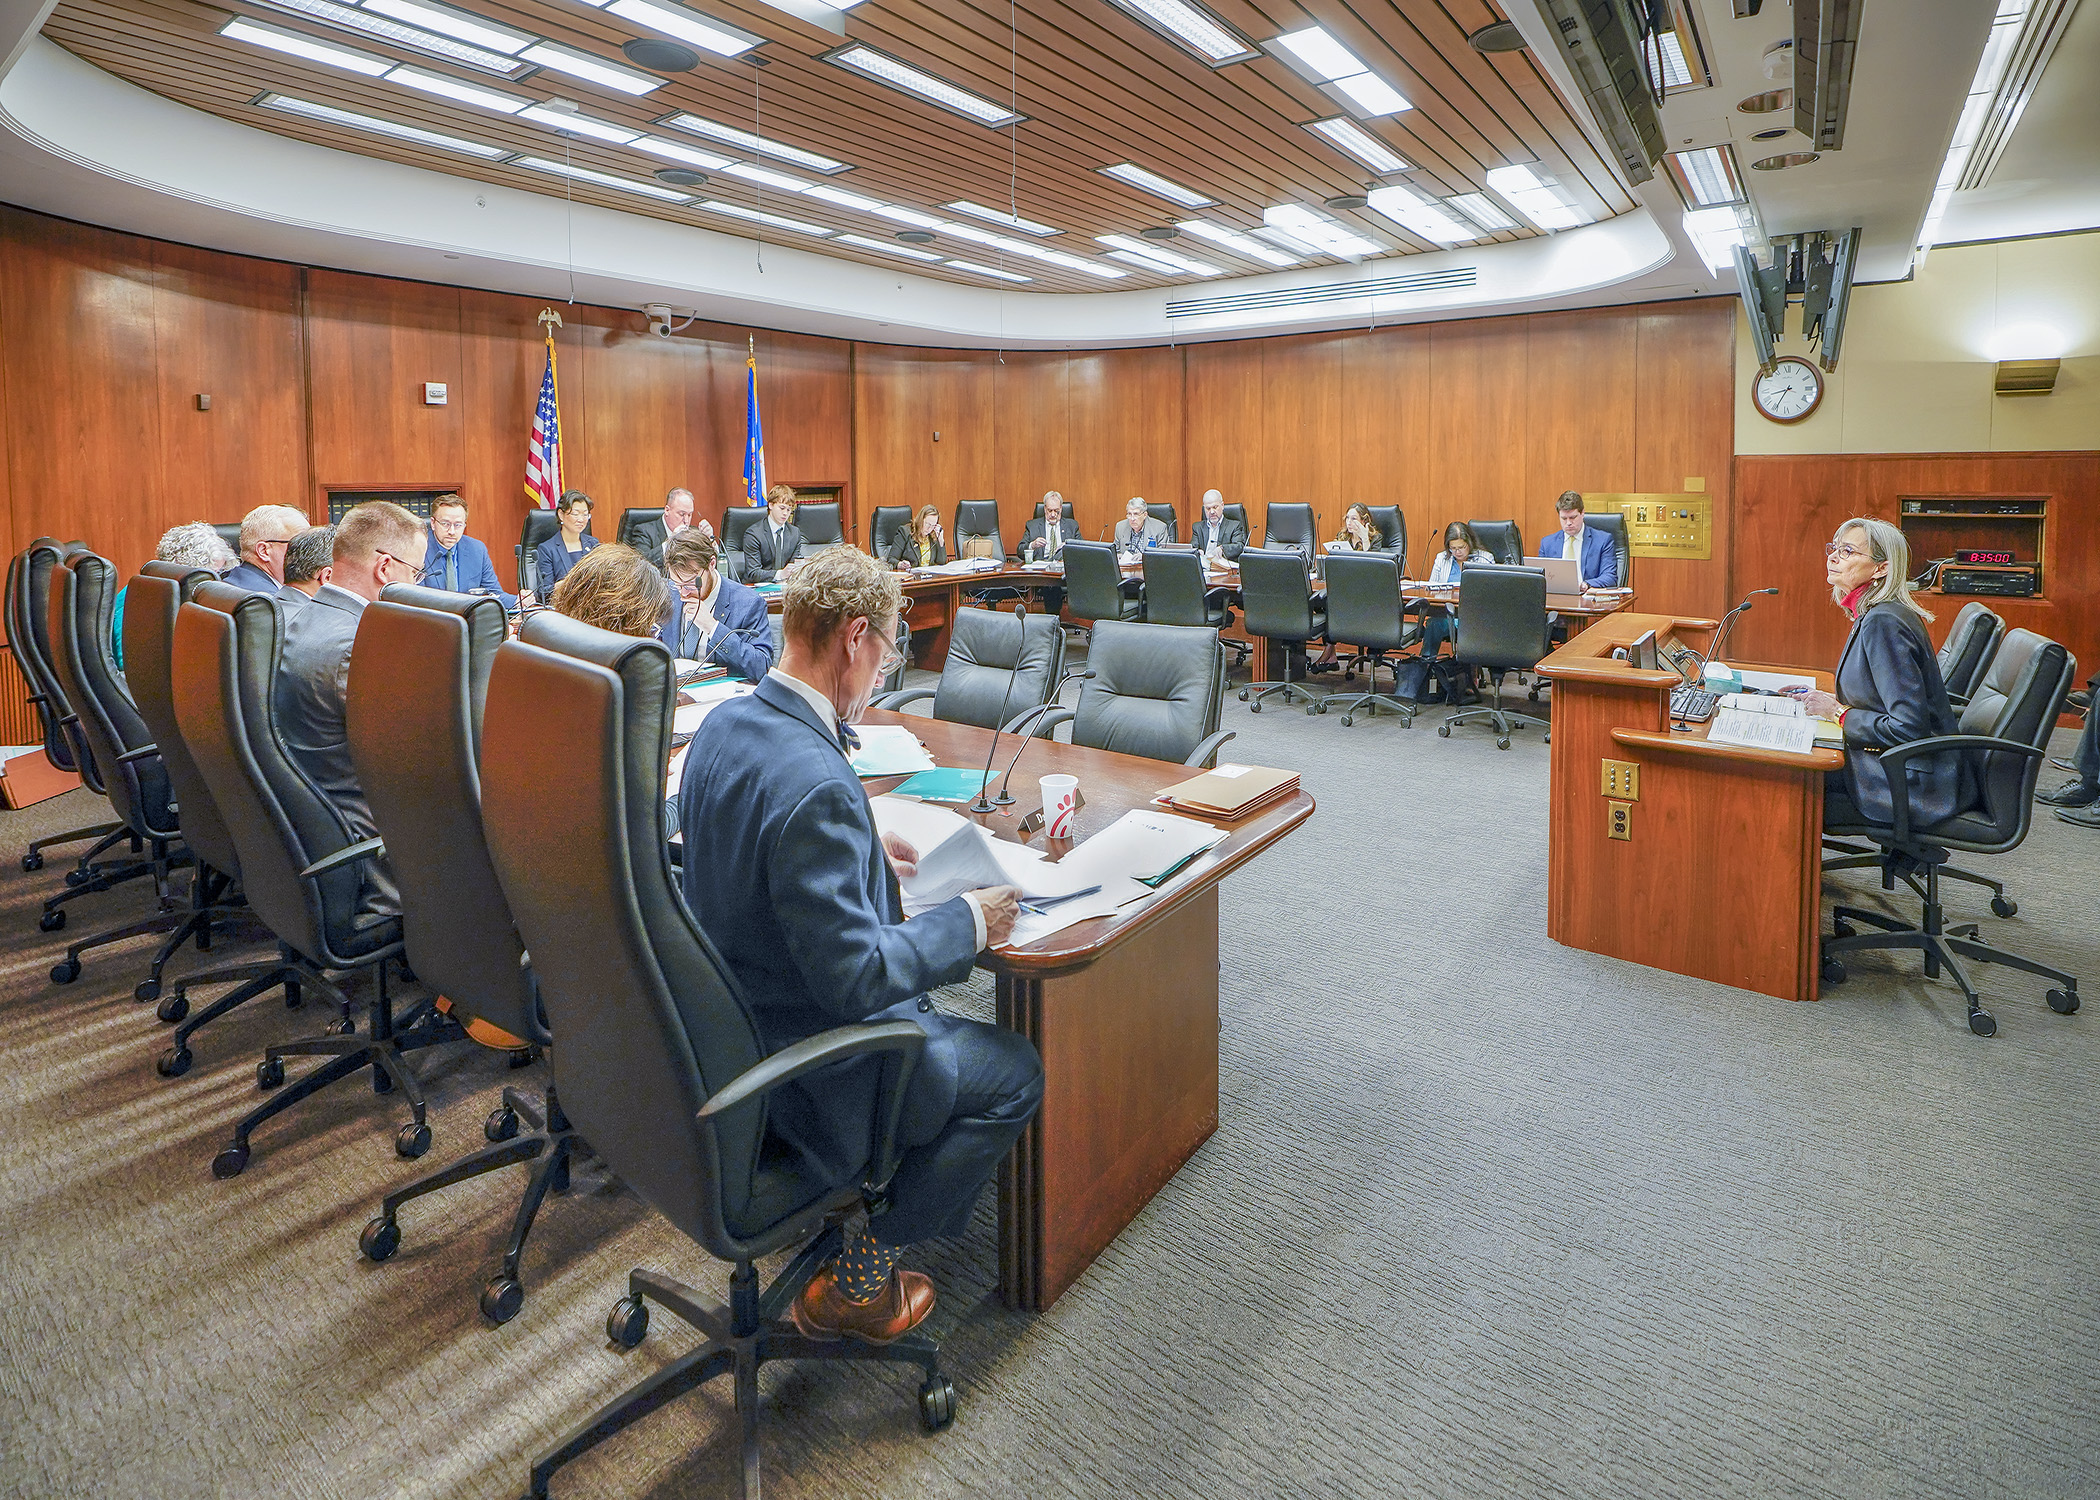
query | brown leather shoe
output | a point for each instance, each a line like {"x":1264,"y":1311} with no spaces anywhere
{"x":821,"y":1313}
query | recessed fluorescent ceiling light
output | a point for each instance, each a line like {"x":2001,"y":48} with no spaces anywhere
{"x":329,"y":115}
{"x":730,"y":135}
{"x":1715,"y":233}
{"x":1707,"y":176}
{"x":842,"y":198}
{"x":298,"y":44}
{"x":602,"y":179}
{"x":1360,"y":143}
{"x":765,"y":176}
{"x":1147,"y":263}
{"x":1188,"y":264}
{"x":1328,"y":61}
{"x":591,"y":69}
{"x":1193,"y":27}
{"x":1318,"y":232}
{"x":1418,"y":215}
{"x":996,"y":216}
{"x":885,"y":69}
{"x":2006,"y":26}
{"x":886,"y":247}
{"x":976,"y":269}
{"x":461,"y":25}
{"x":405,"y":36}
{"x":656,"y":145}
{"x":1153,"y":183}
{"x":676,"y":21}
{"x":1481,"y":209}
{"x":1537,"y":198}
{"x":734,"y":211}
{"x":576,"y":124}
{"x":451,"y":88}
{"x":1028,"y":248}
{"x":904,"y":215}
{"x":1676,"y":72}
{"x":1238,"y":244}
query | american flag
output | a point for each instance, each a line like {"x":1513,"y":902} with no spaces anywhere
{"x":543,"y":458}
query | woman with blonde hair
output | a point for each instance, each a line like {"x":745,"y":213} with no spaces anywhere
{"x":613,"y":587}
{"x":922,"y":544}
{"x":1359,"y":531}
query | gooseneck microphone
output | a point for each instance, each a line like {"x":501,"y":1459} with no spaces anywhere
{"x":1713,"y":648}
{"x":1084,"y":674}
{"x":983,"y":804}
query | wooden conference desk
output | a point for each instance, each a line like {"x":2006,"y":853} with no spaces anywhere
{"x":1123,"y":1009}
{"x":1721,"y":876}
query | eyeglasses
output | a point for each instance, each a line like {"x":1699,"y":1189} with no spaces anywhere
{"x":1841,"y":550}
{"x":413,"y":570}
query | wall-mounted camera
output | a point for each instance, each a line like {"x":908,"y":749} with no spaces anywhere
{"x":659,"y":316}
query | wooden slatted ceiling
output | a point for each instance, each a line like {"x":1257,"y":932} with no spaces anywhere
{"x":1097,"y":86}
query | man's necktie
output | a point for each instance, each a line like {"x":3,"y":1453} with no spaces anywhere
{"x":848,"y":740}
{"x":452,"y":571}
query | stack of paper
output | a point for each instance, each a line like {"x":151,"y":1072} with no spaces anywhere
{"x":1762,"y":723}
{"x":955,"y":855}
{"x":1148,"y":847}
{"x":888,"y":750}
{"x":1229,"y":792}
{"x":696,"y":703}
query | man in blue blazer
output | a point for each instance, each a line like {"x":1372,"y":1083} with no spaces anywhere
{"x":713,"y":618}
{"x":456,"y":562}
{"x":265,"y":533}
{"x":1597,"y":557}
{"x":785,"y":872}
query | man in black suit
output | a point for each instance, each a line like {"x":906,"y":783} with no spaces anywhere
{"x":1217,"y":534}
{"x":1043,"y":540}
{"x":800,"y":898}
{"x":648,"y":537}
{"x":774,"y":545}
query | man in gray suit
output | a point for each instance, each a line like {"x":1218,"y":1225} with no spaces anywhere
{"x":309,"y":558}
{"x":376,"y":544}
{"x":1139,"y":529}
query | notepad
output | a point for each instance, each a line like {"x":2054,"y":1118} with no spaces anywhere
{"x":1762,"y":723}
{"x":890,"y":750}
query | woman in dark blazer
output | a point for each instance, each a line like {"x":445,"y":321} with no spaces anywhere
{"x":561,"y":552}
{"x":1889,"y":689}
{"x":921,"y":544}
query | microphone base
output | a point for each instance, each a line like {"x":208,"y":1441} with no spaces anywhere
{"x":1005,"y":798}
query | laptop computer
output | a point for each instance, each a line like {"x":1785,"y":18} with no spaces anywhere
{"x":1563,"y":575}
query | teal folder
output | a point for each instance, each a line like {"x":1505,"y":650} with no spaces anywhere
{"x":944,"y":784}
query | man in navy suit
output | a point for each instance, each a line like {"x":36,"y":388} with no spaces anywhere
{"x":785,"y":872}
{"x":713,"y":618}
{"x":456,"y":562}
{"x":265,"y":532}
{"x":773,"y":547}
{"x":1597,"y":558}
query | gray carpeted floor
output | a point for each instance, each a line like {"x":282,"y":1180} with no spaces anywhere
{"x":1484,"y":1217}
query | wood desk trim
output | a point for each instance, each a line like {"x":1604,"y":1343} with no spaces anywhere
{"x":1822,"y":758}
{"x":1587,"y":658}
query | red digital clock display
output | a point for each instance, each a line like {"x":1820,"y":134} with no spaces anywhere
{"x":1986,"y":559}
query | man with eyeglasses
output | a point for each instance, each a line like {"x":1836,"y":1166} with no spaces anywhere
{"x":713,"y":619}
{"x":265,"y":531}
{"x":376,"y":544}
{"x":456,"y":562}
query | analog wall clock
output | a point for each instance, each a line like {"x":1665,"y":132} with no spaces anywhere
{"x":1790,"y":392}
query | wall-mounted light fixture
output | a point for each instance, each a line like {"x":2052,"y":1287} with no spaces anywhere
{"x":2027,"y":377}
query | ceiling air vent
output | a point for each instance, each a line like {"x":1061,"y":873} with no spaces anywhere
{"x":1457,"y":278}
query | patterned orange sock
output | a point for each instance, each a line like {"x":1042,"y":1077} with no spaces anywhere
{"x":864,"y":1266}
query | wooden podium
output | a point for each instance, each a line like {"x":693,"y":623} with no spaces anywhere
{"x":1717,"y":867}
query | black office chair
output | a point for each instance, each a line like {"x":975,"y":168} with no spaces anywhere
{"x":540,"y":523}
{"x":1290,"y":526}
{"x":1236,"y":512}
{"x":1366,"y":609}
{"x":299,"y":859}
{"x":1178,"y":592}
{"x":633,"y":518}
{"x":2019,"y":703}
{"x":1502,"y":627}
{"x":1276,"y":597}
{"x":1094,"y":584}
{"x":883,"y":527}
{"x":737,"y":520}
{"x":1503,"y":540}
{"x":977,"y":521}
{"x":229,"y":533}
{"x":819,"y":524}
{"x":56,"y":750}
{"x":1390,"y":522}
{"x":1161,"y":511}
{"x":658,"y":1059}
{"x":418,"y":683}
{"x":1157,"y":690}
{"x":1973,"y":641}
{"x":999,"y":670}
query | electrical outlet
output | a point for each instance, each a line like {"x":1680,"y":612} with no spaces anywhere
{"x":1620,"y":825}
{"x":1622,"y":779}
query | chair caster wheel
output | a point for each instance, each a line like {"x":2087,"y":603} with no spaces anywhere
{"x":147,"y":992}
{"x":1444,"y":730}
{"x":1839,"y":927}
{"x":269,"y":1073}
{"x":937,"y":1403}
{"x":2004,"y":908}
{"x":501,"y":1124}
{"x":1255,"y":709}
{"x":1833,"y":971}
{"x":174,"y":1007}
{"x":1347,"y":720}
{"x":172,"y":1063}
{"x":341,"y":1027}
{"x":51,"y":921}
{"x":501,"y":1299}
{"x":2064,"y":1002}
{"x":412,"y":1140}
{"x":1243,"y":699}
{"x":628,"y":1322}
{"x":379,"y":1239}
{"x":65,"y":971}
{"x":77,"y":878}
{"x":230,"y":1162}
{"x":1983,"y":1023}
{"x":33,"y":860}
{"x":1502,"y":744}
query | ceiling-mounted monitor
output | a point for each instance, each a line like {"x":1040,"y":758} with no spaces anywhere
{"x":1764,"y":331}
{"x":1602,"y":41}
{"x":1828,"y":292}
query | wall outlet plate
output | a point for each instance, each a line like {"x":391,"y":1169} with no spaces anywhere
{"x":1620,"y":825}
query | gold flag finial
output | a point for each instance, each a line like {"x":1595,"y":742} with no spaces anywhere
{"x":548,"y":316}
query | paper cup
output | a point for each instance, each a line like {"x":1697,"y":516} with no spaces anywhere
{"x":1060,"y":802}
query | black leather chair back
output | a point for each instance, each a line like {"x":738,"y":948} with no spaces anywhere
{"x":737,"y":520}
{"x":1501,"y":616}
{"x":1157,"y":690}
{"x":1502,"y":539}
{"x":1613,"y":525}
{"x":229,"y":533}
{"x":883,"y":527}
{"x":1364,"y":603}
{"x":974,"y":518}
{"x":1174,"y":588}
{"x":1093,"y":583}
{"x":540,"y":523}
{"x":1290,"y":526}
{"x":987,"y":649}
{"x":83,"y":598}
{"x":65,"y":742}
{"x":1159,"y":510}
{"x":648,"y":1023}
{"x":17,"y":602}
{"x":227,"y":643}
{"x":1390,"y":522}
{"x":1237,"y":513}
{"x":418,"y":685}
{"x":630,"y":518}
{"x":2018,"y":700}
{"x":1973,"y":641}
{"x":819,"y":524}
{"x":154,"y":597}
{"x":1276,"y":595}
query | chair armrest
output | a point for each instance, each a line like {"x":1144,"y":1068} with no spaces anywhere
{"x":1204,"y":753}
{"x":1957,"y":700}
{"x":349,"y":854}
{"x":139,"y":754}
{"x":1049,"y":722}
{"x":897,"y":700}
{"x":900,"y":1040}
{"x":1897,"y":757}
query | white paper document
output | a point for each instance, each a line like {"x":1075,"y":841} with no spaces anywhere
{"x":687,"y":716}
{"x":1140,"y":846}
{"x":1763,"y":724}
{"x":955,"y":855}
{"x":888,"y":750}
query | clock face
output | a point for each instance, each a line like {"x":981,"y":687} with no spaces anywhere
{"x":1790,"y":392}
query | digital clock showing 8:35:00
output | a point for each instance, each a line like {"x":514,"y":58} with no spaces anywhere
{"x":1971,"y":558}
